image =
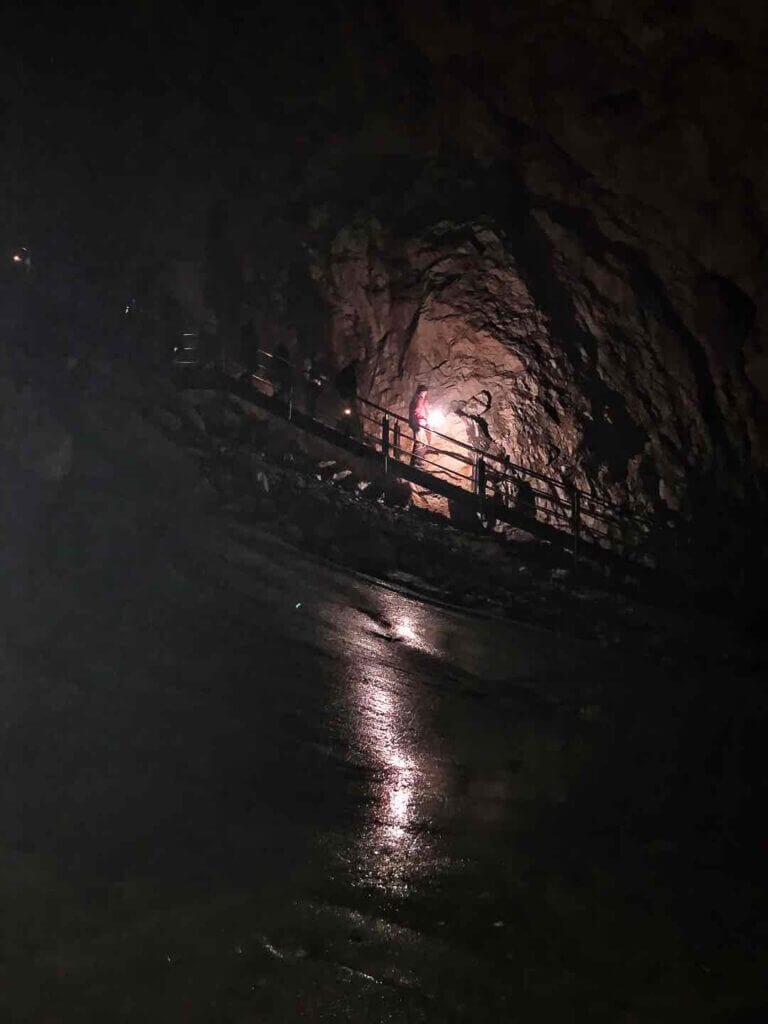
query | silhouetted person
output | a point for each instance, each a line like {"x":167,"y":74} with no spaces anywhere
{"x":345,"y":385}
{"x":525,"y":499}
{"x":418,"y":419}
{"x":346,"y":382}
{"x":249,"y":345}
{"x":313,"y":377}
{"x":223,"y":276}
{"x":282,"y":373}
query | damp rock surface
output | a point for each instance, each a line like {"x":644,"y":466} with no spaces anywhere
{"x":559,"y":224}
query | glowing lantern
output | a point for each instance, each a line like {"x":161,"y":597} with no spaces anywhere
{"x":436,"y":419}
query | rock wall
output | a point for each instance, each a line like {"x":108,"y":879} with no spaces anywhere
{"x":455,"y":308}
{"x":554,"y":213}
{"x":565,"y":238}
{"x":569,"y":357}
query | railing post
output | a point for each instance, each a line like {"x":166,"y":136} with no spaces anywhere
{"x":396,"y":440}
{"x":575,"y":524}
{"x":290,"y":403}
{"x":385,"y":441}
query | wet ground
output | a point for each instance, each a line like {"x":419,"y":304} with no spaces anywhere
{"x":243,"y":786}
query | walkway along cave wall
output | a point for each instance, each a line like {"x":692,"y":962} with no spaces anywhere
{"x":568,"y":248}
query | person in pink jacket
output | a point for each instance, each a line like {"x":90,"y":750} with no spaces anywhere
{"x":418,"y":418}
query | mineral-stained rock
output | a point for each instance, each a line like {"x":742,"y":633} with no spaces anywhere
{"x":573,"y":369}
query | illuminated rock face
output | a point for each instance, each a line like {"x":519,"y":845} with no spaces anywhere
{"x":556,"y":216}
{"x":573,"y":362}
{"x":450,"y":310}
{"x":600,"y":301}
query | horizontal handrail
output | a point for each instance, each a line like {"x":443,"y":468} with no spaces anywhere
{"x":507,"y":463}
{"x":501,"y":469}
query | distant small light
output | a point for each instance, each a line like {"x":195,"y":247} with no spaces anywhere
{"x":347,"y":412}
{"x":17,"y":258}
{"x":298,"y":604}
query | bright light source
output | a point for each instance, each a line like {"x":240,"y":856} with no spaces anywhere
{"x":17,"y":258}
{"x":347,"y":412}
{"x":436,"y":418}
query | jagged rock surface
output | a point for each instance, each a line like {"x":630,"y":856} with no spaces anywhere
{"x":565,"y":366}
{"x":566,"y":242}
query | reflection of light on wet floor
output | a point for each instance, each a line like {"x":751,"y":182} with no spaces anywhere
{"x":390,"y":849}
{"x":404,"y":630}
{"x":410,"y":623}
{"x":385,"y":705}
{"x":399,"y":802}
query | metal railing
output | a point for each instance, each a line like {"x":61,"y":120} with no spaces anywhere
{"x":497,"y":482}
